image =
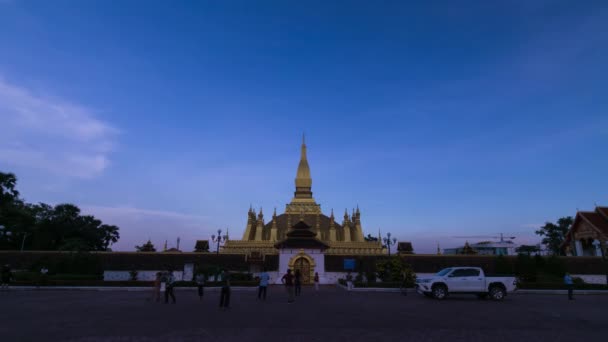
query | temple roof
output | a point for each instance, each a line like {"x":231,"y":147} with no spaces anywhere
{"x":596,"y":219}
{"x":301,"y":235}
{"x":309,"y":219}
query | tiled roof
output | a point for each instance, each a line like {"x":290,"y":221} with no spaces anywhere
{"x":603,"y":211}
{"x":597,"y":220}
{"x":405,"y":247}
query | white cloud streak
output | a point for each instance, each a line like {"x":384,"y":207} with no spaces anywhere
{"x":52,"y":134}
{"x":138,"y":225}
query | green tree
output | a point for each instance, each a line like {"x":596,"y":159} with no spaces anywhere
{"x":528,"y":249}
{"x":554,"y":234}
{"x":44,"y":227}
{"x":146,"y":247}
{"x":395,"y":270}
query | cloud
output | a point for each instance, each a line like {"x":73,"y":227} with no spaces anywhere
{"x":137,"y":225}
{"x":52,"y":134}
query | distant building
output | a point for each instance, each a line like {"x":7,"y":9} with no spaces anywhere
{"x":485,"y":248}
{"x":588,"y":234}
{"x":201,"y":246}
{"x":405,"y":248}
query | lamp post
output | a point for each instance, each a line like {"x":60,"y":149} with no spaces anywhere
{"x":219,"y":239}
{"x":389,"y":242}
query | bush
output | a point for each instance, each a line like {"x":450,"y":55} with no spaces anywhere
{"x":75,"y":277}
{"x":559,"y":286}
{"x":502,"y":266}
{"x":26,"y":276}
{"x":241,"y":277}
{"x":395,"y":270}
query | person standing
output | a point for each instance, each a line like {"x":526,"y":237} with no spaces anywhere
{"x":43,"y":276}
{"x":156,"y":287}
{"x":316,"y":280}
{"x":298,"y":282}
{"x":570,"y":285}
{"x":169,"y":284}
{"x":349,"y":281}
{"x":264,"y":279}
{"x":225,"y":290}
{"x":5,"y":277}
{"x":200,"y":282}
{"x":288,"y":281}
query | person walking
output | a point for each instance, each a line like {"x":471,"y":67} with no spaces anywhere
{"x":200,"y":283}
{"x":349,"y":281}
{"x":5,"y":277}
{"x":288,"y":281}
{"x":316,"y":280}
{"x":403,"y":287}
{"x":156,"y":287}
{"x":298,"y":282}
{"x":169,"y":284}
{"x":570,"y":285}
{"x":43,"y":276}
{"x":264,"y":279}
{"x":225,"y":290}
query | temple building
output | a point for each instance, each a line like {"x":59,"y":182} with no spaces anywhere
{"x":302,"y":227}
{"x":588,"y":235}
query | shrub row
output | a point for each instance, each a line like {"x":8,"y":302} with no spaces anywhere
{"x":559,"y":286}
{"x":122,"y":283}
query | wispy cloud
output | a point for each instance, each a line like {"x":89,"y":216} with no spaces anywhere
{"x":52,"y":134}
{"x":137,"y":225}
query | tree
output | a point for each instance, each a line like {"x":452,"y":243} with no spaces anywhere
{"x":44,"y":227}
{"x":146,"y":247}
{"x":528,"y":249}
{"x":8,"y":192}
{"x":554,"y":234}
{"x":369,"y":237}
{"x":395,"y":270}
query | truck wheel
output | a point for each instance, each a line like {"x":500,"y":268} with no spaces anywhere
{"x":440,"y":292}
{"x":497,"y":293}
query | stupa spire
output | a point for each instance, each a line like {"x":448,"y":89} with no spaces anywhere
{"x":303,"y":179}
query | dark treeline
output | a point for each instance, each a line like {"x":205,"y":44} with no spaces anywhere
{"x":44,"y":227}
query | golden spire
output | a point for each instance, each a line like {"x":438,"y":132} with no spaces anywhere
{"x":303,"y":179}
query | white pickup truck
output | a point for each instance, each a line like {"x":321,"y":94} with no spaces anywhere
{"x":465,"y":280}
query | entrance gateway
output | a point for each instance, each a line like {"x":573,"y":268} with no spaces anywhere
{"x":302,"y":251}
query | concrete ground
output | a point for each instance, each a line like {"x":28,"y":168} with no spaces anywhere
{"x":331,"y":314}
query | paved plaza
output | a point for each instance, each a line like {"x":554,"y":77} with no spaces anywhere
{"x":332,"y":314}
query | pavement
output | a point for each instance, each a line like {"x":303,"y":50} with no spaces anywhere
{"x":331,"y":314}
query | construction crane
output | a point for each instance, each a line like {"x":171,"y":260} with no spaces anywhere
{"x":501,"y":237}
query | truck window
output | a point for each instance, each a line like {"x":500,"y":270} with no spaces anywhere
{"x":459,"y":273}
{"x":471,"y":272}
{"x":444,"y":272}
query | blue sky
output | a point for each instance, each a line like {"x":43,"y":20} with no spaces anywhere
{"x":438,"y":119}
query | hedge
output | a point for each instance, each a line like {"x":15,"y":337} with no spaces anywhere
{"x":122,"y":283}
{"x":384,"y":285}
{"x":559,"y":286}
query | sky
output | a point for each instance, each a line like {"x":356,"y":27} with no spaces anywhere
{"x":438,"y":119}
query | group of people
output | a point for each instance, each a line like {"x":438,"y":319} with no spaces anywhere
{"x":166,"y":281}
{"x":293,"y":284}
{"x":291,"y":280}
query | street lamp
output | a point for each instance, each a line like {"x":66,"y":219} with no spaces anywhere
{"x":219,"y":239}
{"x":389,"y":242}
